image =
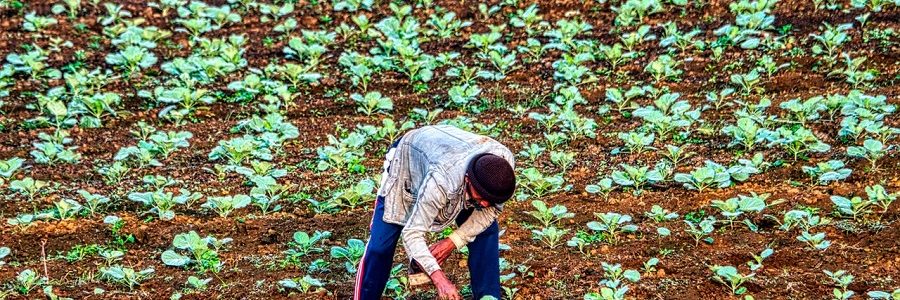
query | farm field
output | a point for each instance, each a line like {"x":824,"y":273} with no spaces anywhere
{"x":675,"y":149}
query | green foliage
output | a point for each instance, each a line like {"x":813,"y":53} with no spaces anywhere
{"x":529,"y":19}
{"x":550,"y":236}
{"x":357,"y":195}
{"x":462,"y":95}
{"x":182,"y":101}
{"x":272,"y":12}
{"x":803,"y":111}
{"x":715,"y":175}
{"x":825,"y":172}
{"x":33,"y":63}
{"x":52,"y":149}
{"x":303,"y":244}
{"x":304,"y":284}
{"x":872,"y":150}
{"x":701,"y":230}
{"x":664,"y":67}
{"x":803,"y":218}
{"x":612,"y":224}
{"x":9,"y":167}
{"x":310,"y":48}
{"x":445,"y":25}
{"x":345,"y":154}
{"x":132,"y":59}
{"x":547,"y":216}
{"x":125,"y":276}
{"x":536,"y":184}
{"x":202,"y":253}
{"x":853,"y":207}
{"x":675,"y":154}
{"x":163,"y":203}
{"x":853,"y":72}
{"x":372,"y":102}
{"x":659,"y":214}
{"x":197,"y":284}
{"x":35,"y":23}
{"x":603,"y":187}
{"x":4,"y":252}
{"x":748,"y":133}
{"x":352,"y":5}
{"x":27,"y":280}
{"x":272,"y":130}
{"x":881,"y":295}
{"x":613,"y":285}
{"x":674,"y":37}
{"x":637,"y":142}
{"x":798,"y":140}
{"x":815,"y":241}
{"x":266,"y":193}
{"x":70,"y":7}
{"x":359,"y":68}
{"x":842,"y":280}
{"x":240,"y":149}
{"x":95,"y":108}
{"x":633,"y":12}
{"x":352,"y":253}
{"x":28,"y":187}
{"x":737,"y":206}
{"x":731,"y":278}
{"x":224,"y":205}
{"x":563,"y":36}
{"x":829,"y":42}
{"x":637,"y":177}
{"x":668,"y":114}
{"x":165,"y":5}
{"x":65,"y":209}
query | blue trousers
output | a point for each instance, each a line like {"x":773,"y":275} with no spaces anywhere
{"x":375,"y":266}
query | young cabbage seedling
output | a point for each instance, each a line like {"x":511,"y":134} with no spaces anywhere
{"x":551,"y":236}
{"x":303,"y":285}
{"x":612,"y":224}
{"x":125,"y":276}
{"x":549,"y":215}
{"x":730,"y":277}
{"x":816,"y":241}
{"x":352,"y":253}
{"x":842,"y":279}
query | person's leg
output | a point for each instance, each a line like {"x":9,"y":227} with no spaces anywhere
{"x":484,"y":260}
{"x":375,"y":266}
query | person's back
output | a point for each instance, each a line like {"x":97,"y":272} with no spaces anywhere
{"x":446,"y":148}
{"x":438,"y":152}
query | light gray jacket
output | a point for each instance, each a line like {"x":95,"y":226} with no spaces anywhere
{"x":424,"y":188}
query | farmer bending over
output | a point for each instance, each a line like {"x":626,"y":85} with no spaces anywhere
{"x":433,"y":176}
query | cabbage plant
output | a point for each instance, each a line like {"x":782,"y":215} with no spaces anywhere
{"x":199,"y":253}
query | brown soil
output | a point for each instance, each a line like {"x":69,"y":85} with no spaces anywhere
{"x":251,"y":261}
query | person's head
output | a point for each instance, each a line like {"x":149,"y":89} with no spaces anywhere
{"x":489,"y":180}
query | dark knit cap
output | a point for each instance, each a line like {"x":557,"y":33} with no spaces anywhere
{"x":492,"y":177}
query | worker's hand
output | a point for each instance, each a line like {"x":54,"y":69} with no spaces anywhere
{"x":446,"y":290}
{"x":442,"y":250}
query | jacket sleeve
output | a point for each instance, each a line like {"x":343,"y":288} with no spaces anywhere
{"x":474,"y":225}
{"x":480,"y":219}
{"x":430,"y":200}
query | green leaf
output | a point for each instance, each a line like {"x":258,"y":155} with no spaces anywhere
{"x":171,"y":258}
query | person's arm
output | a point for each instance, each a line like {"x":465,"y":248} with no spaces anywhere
{"x":430,"y":200}
{"x":480,"y":219}
{"x":474,"y":225}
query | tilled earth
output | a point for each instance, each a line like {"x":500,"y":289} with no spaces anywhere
{"x":252,"y":267}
